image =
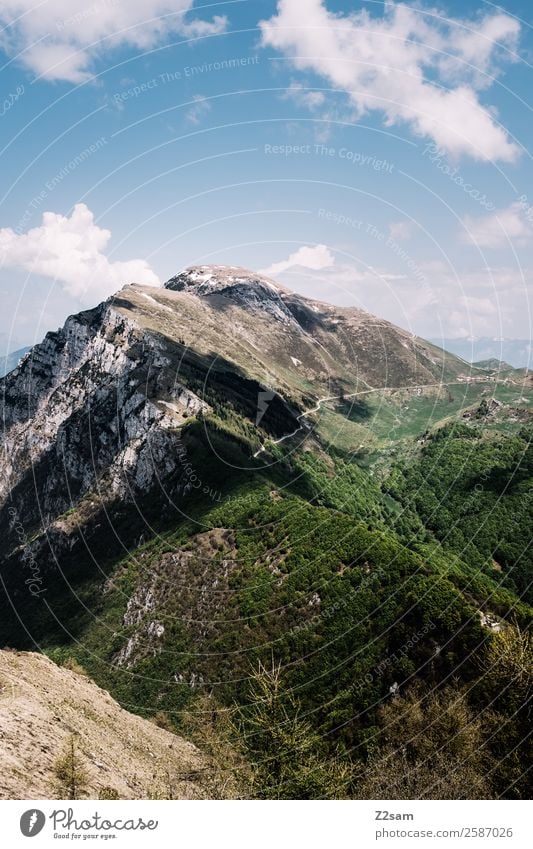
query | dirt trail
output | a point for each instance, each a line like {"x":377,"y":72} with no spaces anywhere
{"x":321,"y":401}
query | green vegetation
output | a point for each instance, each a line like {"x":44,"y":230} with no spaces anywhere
{"x":473,"y":492}
{"x":383,"y":616}
{"x":70,"y":772}
{"x":431,"y":746}
{"x":108,"y":792}
{"x":292,"y":760}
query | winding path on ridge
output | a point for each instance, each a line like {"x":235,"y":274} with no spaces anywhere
{"x":321,"y":401}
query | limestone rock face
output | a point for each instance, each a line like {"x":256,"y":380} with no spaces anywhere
{"x":92,"y":402}
{"x":96,"y":419}
{"x":97,"y":405}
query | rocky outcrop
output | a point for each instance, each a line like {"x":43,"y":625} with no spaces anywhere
{"x":95,"y":413}
{"x":88,"y":406}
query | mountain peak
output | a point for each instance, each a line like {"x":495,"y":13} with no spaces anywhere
{"x":213,"y":279}
{"x":235,"y":284}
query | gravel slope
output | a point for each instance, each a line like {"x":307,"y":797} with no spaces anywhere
{"x":42,"y":704}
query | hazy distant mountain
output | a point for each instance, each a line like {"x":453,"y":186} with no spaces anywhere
{"x":516,"y":352}
{"x":11,"y":361}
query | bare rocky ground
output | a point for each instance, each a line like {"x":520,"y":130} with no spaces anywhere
{"x":42,"y":704}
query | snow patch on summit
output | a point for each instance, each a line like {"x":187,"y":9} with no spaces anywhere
{"x":238,"y":285}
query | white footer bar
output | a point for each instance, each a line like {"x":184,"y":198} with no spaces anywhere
{"x":268,"y":825}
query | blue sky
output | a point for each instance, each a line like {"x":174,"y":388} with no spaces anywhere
{"x":362,"y":153}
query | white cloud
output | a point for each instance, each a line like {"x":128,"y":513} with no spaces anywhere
{"x":314,"y":258}
{"x":415,"y":69}
{"x":200,"y":29}
{"x":387,"y":276}
{"x":200,"y":107}
{"x":498,"y":229}
{"x":401,"y":230}
{"x":324,"y":107}
{"x":70,"y":250}
{"x":302,"y":97}
{"x":61,"y":39}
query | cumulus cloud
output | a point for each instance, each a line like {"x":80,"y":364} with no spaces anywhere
{"x":198,"y":110}
{"x":401,"y":230}
{"x":303,"y":97}
{"x":71,"y":251}
{"x":321,"y":105}
{"x":61,"y":39}
{"x":314,"y":258}
{"x":421,"y":70}
{"x":499,"y":228}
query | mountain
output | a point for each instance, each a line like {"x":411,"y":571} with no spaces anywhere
{"x":99,"y":403}
{"x":42,"y":705}
{"x":219,"y":495}
{"x":11,"y":361}
{"x":493,"y":364}
{"x":517,"y":352}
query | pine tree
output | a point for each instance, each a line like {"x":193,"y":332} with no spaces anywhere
{"x":291,"y":759}
{"x":69,"y":771}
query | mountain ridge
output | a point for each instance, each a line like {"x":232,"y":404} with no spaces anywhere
{"x":181,"y":516}
{"x":151,"y":358}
